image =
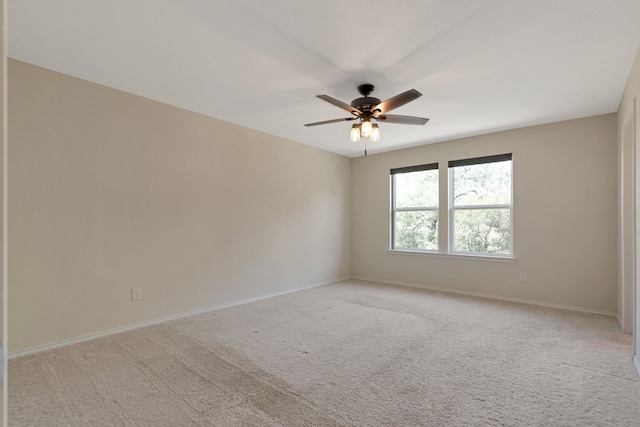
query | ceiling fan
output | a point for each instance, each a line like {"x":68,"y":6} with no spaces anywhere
{"x":369,"y":108}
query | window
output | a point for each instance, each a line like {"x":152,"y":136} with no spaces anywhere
{"x":477,"y":212}
{"x":414,"y":208}
{"x":480,"y":205}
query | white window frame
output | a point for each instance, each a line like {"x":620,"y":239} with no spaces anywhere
{"x":394,"y":209}
{"x":446,"y":213}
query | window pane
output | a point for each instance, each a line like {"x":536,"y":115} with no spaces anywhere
{"x":416,"y":189}
{"x":483,"y":184}
{"x":482,"y":231}
{"x":416,"y":230}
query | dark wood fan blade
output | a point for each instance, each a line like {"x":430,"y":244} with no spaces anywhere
{"x":326,"y":122}
{"x":340,"y":104}
{"x":397,"y":101}
{"x":403,"y":120}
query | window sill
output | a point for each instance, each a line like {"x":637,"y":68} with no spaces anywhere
{"x":453,"y":256}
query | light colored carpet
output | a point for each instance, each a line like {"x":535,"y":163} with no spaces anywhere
{"x":350,"y":353}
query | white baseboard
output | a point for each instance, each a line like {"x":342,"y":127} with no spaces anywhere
{"x":636,"y":361}
{"x":133,"y":326}
{"x":496,"y":297}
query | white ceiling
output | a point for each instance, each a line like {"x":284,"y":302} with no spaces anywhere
{"x":481,"y":65}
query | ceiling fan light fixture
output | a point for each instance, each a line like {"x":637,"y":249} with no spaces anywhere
{"x":366,"y":108}
{"x":367,"y":127}
{"x":355,"y":133}
{"x":375,"y":133}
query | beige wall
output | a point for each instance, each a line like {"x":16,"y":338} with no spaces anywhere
{"x":632,"y":90}
{"x":564,"y":217}
{"x":629,"y":97}
{"x":627,"y":161}
{"x":109,"y":191}
{"x":3,"y":215}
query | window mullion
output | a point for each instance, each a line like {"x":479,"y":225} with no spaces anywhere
{"x":450,"y":197}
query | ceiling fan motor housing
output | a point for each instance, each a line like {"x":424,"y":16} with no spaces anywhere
{"x":365,"y":104}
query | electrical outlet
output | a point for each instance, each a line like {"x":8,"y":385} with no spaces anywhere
{"x":136,"y":294}
{"x":523,"y":277}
